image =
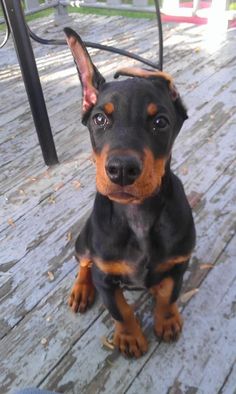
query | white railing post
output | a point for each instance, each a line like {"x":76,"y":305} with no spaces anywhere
{"x":60,"y":10}
{"x":89,"y":2}
{"x":170,"y":5}
{"x":31,"y":4}
{"x":196,"y":4}
{"x":140,"y":3}
{"x":110,"y":3}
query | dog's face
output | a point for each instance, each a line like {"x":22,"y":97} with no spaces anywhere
{"x":132,"y":123}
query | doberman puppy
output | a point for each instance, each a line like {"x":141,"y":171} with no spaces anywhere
{"x":140,"y":233}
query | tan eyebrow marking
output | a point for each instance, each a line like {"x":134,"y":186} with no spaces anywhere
{"x":152,"y":109}
{"x":109,"y":108}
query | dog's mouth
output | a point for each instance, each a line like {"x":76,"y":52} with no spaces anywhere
{"x":123,"y":197}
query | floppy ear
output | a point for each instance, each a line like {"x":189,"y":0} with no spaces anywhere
{"x":142,"y":73}
{"x":89,"y":75}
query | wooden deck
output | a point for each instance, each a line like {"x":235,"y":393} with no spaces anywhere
{"x":42,"y":343}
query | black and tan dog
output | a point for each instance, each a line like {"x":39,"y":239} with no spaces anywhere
{"x":141,"y":231}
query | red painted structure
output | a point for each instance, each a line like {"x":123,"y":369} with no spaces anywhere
{"x":195,"y":19}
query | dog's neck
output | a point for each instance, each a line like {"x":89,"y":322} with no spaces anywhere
{"x":141,"y":217}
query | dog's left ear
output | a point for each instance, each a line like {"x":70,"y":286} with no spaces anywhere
{"x":142,"y":73}
{"x":89,"y":76}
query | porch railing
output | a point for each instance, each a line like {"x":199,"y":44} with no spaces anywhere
{"x":33,"y":6}
{"x":176,"y":8}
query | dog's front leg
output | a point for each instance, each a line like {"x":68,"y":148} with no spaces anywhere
{"x":128,"y":336}
{"x":167,"y":319}
{"x":83,"y":291}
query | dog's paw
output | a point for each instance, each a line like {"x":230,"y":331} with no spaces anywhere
{"x":130,"y":344}
{"x":81,"y":297}
{"x":169,"y":328}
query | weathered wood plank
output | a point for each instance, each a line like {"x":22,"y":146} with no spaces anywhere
{"x":215,"y":155}
{"x":49,"y":251}
{"x":229,"y":385}
{"x":33,"y":190}
{"x":49,"y":214}
{"x":43,"y":337}
{"x":206,"y":119}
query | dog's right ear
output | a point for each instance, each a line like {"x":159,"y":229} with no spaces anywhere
{"x":89,"y":75}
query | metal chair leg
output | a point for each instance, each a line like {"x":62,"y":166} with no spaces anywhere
{"x":15,"y":17}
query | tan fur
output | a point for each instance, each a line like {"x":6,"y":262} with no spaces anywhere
{"x":169,"y":264}
{"x":114,"y":267}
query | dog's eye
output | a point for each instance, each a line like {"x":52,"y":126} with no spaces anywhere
{"x":100,"y":120}
{"x":159,"y":123}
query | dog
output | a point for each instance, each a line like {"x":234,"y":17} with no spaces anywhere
{"x":141,"y":232}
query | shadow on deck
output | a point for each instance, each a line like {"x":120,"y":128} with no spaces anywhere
{"x":42,"y":343}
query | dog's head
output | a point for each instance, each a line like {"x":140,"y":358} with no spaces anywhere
{"x":133,"y":124}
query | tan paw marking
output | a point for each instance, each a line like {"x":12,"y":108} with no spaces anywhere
{"x":81,"y":297}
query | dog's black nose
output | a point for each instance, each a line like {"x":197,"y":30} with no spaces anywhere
{"x":123,"y":170}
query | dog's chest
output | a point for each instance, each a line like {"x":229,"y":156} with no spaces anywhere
{"x":141,"y":227}
{"x":140,"y":224}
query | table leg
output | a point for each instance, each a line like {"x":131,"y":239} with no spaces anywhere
{"x":15,"y":17}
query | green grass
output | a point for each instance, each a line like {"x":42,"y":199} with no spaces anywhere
{"x":99,"y":11}
{"x":95,"y":11}
{"x":37,"y":15}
